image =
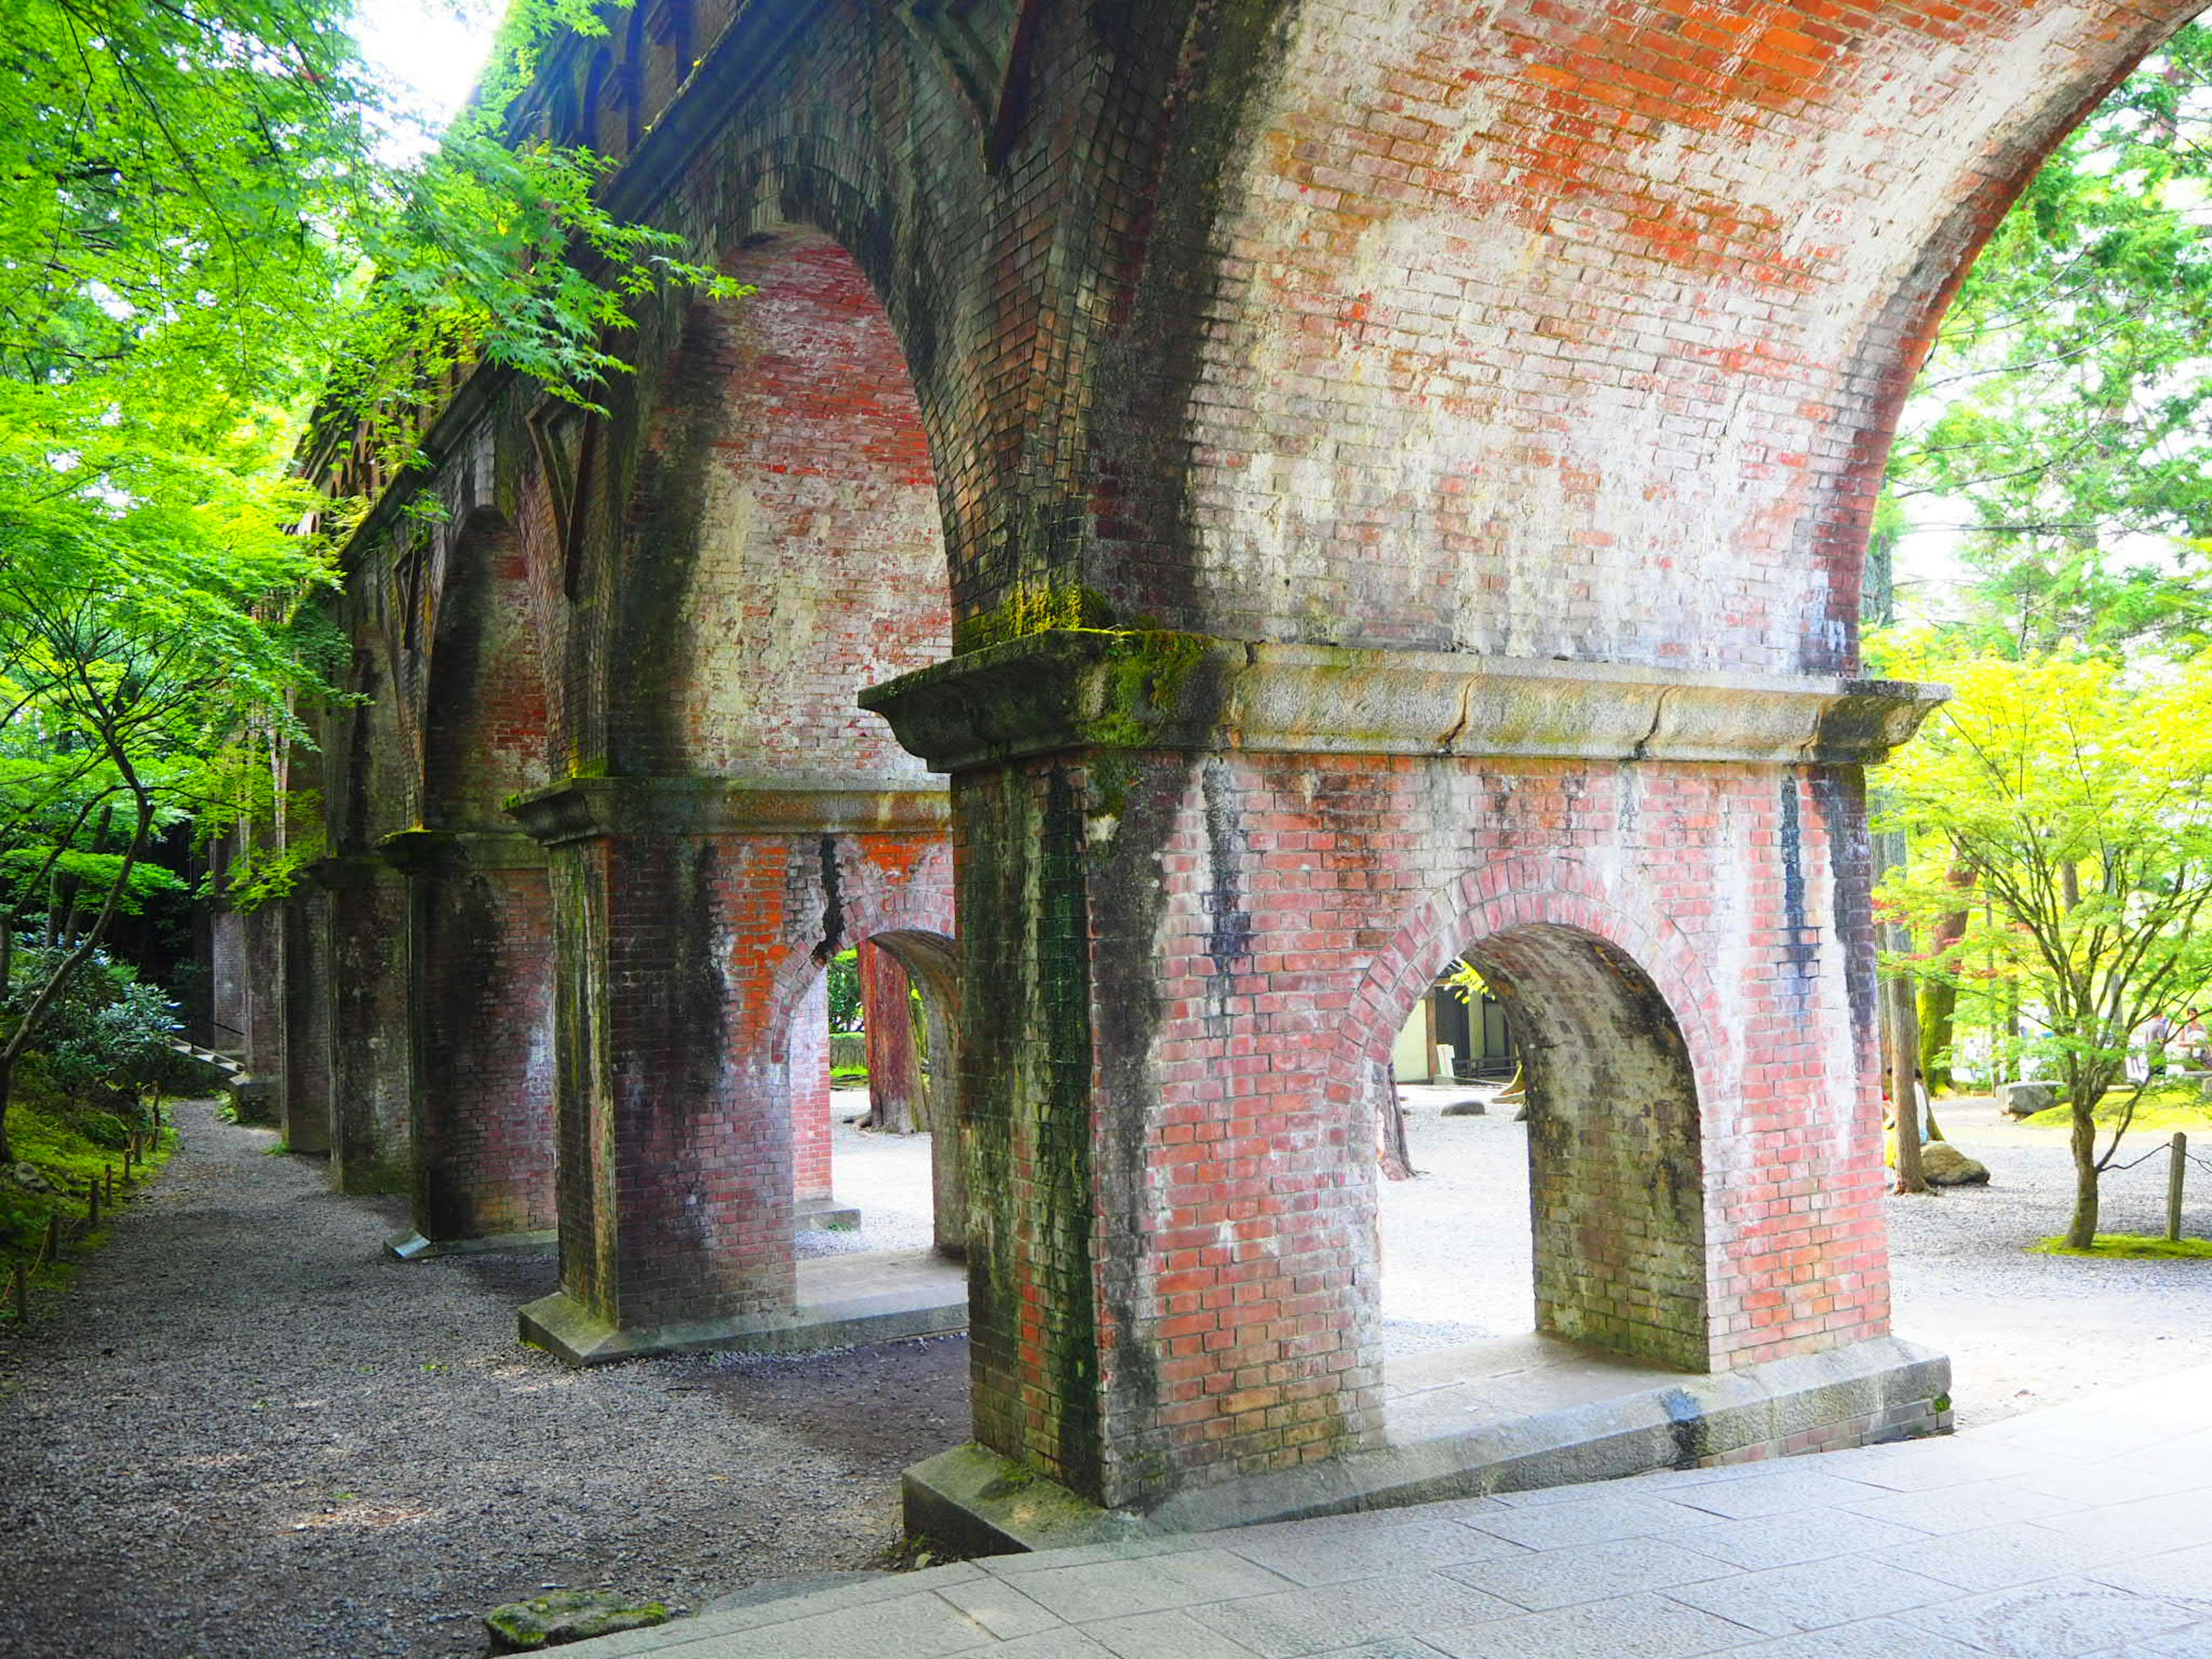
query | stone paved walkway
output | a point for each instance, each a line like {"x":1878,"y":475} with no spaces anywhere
{"x":2084,"y":1530}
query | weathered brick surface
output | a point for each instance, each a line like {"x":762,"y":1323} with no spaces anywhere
{"x":482,"y":980}
{"x":680,"y":1144}
{"x":1220,"y":977}
{"x":372,"y":1052}
{"x":1562,"y":330}
{"x":306,"y":1107}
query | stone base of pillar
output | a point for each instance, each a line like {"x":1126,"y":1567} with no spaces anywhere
{"x":824,"y":1214}
{"x":973,"y":1501}
{"x":413,"y":1247}
{"x":843,"y":1301}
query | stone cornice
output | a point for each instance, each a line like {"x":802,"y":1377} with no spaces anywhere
{"x":581,"y":808}
{"x":433,"y":852}
{"x":1085,"y":688}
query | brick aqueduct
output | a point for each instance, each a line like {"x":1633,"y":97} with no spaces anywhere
{"x":1217,"y":509}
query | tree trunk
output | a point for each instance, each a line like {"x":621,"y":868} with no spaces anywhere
{"x":2081,"y":1229}
{"x":887,"y":1015}
{"x":1901,"y":1045}
{"x":1396,"y":1159}
{"x":1901,"y":1030}
{"x":1939,"y":999}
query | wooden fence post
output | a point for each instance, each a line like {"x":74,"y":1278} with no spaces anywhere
{"x":2173,"y":1174}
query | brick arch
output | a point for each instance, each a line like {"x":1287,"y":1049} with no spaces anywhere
{"x":1615,"y":1023}
{"x":1525,"y":893}
{"x":787,"y":546}
{"x":484,"y":705}
{"x":1582,"y":335}
{"x":903,"y":888}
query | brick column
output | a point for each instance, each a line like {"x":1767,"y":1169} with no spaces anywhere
{"x":481,"y":1021}
{"x":305,"y":1119}
{"x":1201,"y":885}
{"x":262,"y":979}
{"x":691,"y":917}
{"x":372,"y":1054}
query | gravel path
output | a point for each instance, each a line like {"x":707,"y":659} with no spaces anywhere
{"x":2028,"y":1331}
{"x":247,"y":1434}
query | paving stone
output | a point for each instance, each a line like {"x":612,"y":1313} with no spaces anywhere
{"x":2182,"y":1575}
{"x":1541,"y":1579}
{"x":1758,"y":1543}
{"x":1172,"y":1635}
{"x":1066,"y":1643}
{"x":1995,"y":1557}
{"x":1963,"y":1509}
{"x":2173,"y":1522}
{"x":998,"y":1608}
{"x":913,"y":1627}
{"x":1596,"y":1521}
{"x":1646,"y":1626}
{"x":1319,"y":1620}
{"x":1813,"y":1593}
{"x":1110,"y":1588}
{"x":1869,"y":1638}
{"x":1784,"y":1493}
{"x":1321,"y":1558}
{"x":2059,"y":1620}
{"x":2193,"y":1643}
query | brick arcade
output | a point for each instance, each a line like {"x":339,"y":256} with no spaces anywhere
{"x":1213,"y":511}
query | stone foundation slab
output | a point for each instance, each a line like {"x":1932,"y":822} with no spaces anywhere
{"x":843,"y":1301}
{"x":413,"y":1247}
{"x":972,"y":1499}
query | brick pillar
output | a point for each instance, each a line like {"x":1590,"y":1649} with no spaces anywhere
{"x":689,"y":914}
{"x":812,"y":1176}
{"x":481,"y":981}
{"x":1185,"y":862}
{"x":372,"y":1053}
{"x":894,"y":1075}
{"x":227,"y":1012}
{"x":306,"y":1103}
{"x":262,"y":977}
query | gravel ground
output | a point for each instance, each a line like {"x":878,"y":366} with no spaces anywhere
{"x":2028,"y":1331}
{"x":245,"y":1434}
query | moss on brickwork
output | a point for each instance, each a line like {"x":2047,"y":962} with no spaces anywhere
{"x":1033,"y":610}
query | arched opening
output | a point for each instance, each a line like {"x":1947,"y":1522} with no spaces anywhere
{"x":865,"y":1182}
{"x":479,"y":911}
{"x":781,"y":550}
{"x":1561,"y":1240}
{"x":819,"y":569}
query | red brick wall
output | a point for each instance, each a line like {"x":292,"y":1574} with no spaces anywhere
{"x":683,"y":1150}
{"x":1707,"y":1154}
{"x":483,"y":983}
{"x":808,"y":1068}
{"x":1577,"y":330}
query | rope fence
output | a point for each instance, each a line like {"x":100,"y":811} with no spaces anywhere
{"x":99,"y":1194}
{"x":2178,"y":1158}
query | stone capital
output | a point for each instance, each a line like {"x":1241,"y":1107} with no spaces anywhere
{"x":584,"y":809}
{"x":1090,"y":689}
{"x":448,"y":852}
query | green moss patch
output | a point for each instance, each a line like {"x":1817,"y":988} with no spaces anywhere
{"x":2132,"y":1247}
{"x":2182,"y":1109}
{"x":66,"y":1144}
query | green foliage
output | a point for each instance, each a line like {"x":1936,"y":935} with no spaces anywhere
{"x":844,"y":975}
{"x":2081,"y":797}
{"x":106,"y":1034}
{"x":2068,"y":404}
